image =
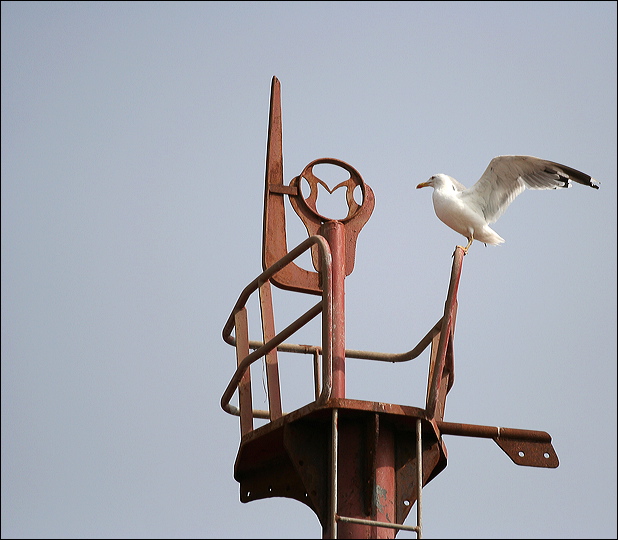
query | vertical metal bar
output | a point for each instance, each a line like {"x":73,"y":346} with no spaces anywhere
{"x":272,"y":366}
{"x":327,"y":323}
{"x":334,"y":450}
{"x":316,"y":373}
{"x":419,"y":479}
{"x":349,"y":434}
{"x":245,"y":402}
{"x":273,"y":236}
{"x":274,"y":243}
{"x":351,"y":477}
{"x":435,"y":396}
{"x":383,"y":499}
{"x":334,"y":232}
{"x":433,"y":355}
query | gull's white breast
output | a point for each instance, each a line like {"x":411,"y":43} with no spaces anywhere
{"x":465,"y":218}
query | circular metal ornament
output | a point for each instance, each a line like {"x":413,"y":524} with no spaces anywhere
{"x":355,"y":180}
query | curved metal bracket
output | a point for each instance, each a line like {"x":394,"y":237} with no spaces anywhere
{"x":358,"y":214}
{"x":274,"y":243}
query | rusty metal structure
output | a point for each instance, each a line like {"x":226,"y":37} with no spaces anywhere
{"x":359,"y":465}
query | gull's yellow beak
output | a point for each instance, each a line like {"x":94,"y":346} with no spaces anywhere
{"x":423,"y":184}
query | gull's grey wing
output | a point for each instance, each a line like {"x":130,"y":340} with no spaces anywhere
{"x":507,"y":176}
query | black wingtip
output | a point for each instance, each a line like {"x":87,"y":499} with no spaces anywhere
{"x":578,"y":176}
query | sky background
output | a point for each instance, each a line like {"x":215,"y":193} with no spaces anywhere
{"x":133,"y":152}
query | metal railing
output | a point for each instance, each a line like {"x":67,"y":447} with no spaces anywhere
{"x":324,"y":306}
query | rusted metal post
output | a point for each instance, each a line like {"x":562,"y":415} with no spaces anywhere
{"x":365,"y":480}
{"x":334,"y":232}
{"x":330,"y":529}
{"x":348,"y":494}
{"x":383,"y":496}
{"x":438,"y":384}
{"x":272,"y":365}
{"x":244,"y":388}
{"x":419,"y":478}
{"x":350,"y":500}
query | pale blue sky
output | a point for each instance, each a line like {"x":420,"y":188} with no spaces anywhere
{"x":133,"y":148}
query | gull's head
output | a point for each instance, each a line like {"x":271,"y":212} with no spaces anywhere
{"x":436,"y":181}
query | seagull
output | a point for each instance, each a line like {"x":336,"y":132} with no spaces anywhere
{"x":470,"y":211}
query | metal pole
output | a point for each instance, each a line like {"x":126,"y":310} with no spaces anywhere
{"x":384,"y":491}
{"x":436,"y":390}
{"x":332,"y":524}
{"x":419,"y":479}
{"x":334,"y":232}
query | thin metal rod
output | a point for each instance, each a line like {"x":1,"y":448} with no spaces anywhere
{"x":354,"y":353}
{"x":257,"y":413}
{"x":327,"y":322}
{"x":419,"y":479}
{"x":333,"y":472}
{"x":384,"y":524}
{"x":397,"y":357}
{"x":245,"y":401}
{"x":316,"y":373}
{"x":491,"y":432}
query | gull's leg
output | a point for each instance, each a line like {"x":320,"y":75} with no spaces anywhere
{"x":465,"y":249}
{"x":469,"y":243}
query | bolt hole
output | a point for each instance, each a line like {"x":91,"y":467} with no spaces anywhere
{"x":270,"y":489}
{"x":301,"y":462}
{"x":546,"y":455}
{"x":521,"y":453}
{"x":406,"y":503}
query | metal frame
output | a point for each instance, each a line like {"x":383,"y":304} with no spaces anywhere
{"x":285,"y":457}
{"x":524,"y":447}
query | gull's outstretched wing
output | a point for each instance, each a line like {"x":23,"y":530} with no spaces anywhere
{"x":507,"y":176}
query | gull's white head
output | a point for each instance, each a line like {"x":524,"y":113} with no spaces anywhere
{"x":438,"y":181}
